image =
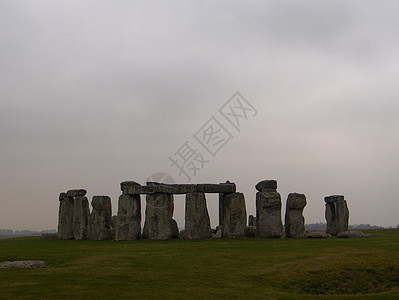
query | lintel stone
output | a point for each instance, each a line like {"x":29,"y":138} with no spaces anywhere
{"x":76,"y":193}
{"x":334,"y":198}
{"x":266,"y":184}
{"x":132,"y":188}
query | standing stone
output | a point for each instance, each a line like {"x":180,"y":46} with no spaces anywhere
{"x":173,"y":224}
{"x":113,"y":221}
{"x":131,"y":187}
{"x":233,"y":215}
{"x":174,"y":228}
{"x":337,"y":214}
{"x":128,"y":220}
{"x":268,"y":214}
{"x":250,"y":231}
{"x":113,"y":224}
{"x":81,"y":213}
{"x":251,"y":221}
{"x":65,"y":217}
{"x":158,"y":216}
{"x":294,"y":220}
{"x":76,"y":193}
{"x":197,"y":222}
{"x":100,"y":219}
{"x":266,"y":184}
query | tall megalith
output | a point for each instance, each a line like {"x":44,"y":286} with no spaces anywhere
{"x":337,"y":214}
{"x":128,"y":220}
{"x":81,"y":213}
{"x":100,"y":219}
{"x":65,"y":217}
{"x":232,"y":214}
{"x":268,"y":210}
{"x":294,"y":220}
{"x":158,"y":216}
{"x":197,"y":222}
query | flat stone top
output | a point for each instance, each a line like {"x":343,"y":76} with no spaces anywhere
{"x":334,"y":198}
{"x":266,"y":184}
{"x":133,"y":188}
{"x":101,"y":198}
{"x":296,"y":201}
{"x":129,"y":183}
{"x":76,"y":193}
{"x":62,"y":196}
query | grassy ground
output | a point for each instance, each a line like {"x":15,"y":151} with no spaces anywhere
{"x":210,"y":269}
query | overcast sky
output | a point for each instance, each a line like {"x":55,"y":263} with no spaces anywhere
{"x":93,"y":93}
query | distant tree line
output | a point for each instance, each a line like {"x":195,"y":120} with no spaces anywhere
{"x":25,"y":232}
{"x":308,"y":227}
{"x":365,"y":226}
{"x":315,"y":226}
{"x":323,"y":226}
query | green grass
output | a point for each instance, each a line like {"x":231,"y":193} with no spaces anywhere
{"x":209,"y":269}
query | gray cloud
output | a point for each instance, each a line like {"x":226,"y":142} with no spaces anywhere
{"x":93,"y":93}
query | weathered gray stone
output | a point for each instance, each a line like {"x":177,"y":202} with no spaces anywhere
{"x":294,"y":220}
{"x":174,"y":228}
{"x":351,"y":234}
{"x":216,"y":188}
{"x":76,"y":193}
{"x":22,"y":264}
{"x":62,"y":196}
{"x":65,"y":218}
{"x":128,"y":220}
{"x":250,"y":231}
{"x":337,"y":214}
{"x":113,"y":221}
{"x":233,"y":215}
{"x":269,"y":198}
{"x":157,"y":187}
{"x":185,"y":188}
{"x":294,"y":224}
{"x":127,"y":184}
{"x":218,"y":234}
{"x":296,"y":201}
{"x":318,"y":235}
{"x":334,"y":198}
{"x":252,"y":221}
{"x":266,"y":184}
{"x":268,"y":190}
{"x":100,"y":219}
{"x":268,"y":215}
{"x":197,"y":222}
{"x":133,"y":188}
{"x":81,"y":213}
{"x":136,"y":189}
{"x":158,"y":216}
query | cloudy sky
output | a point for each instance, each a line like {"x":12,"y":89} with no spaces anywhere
{"x":93,"y":93}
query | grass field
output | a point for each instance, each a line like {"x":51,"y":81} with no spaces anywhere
{"x":209,"y":269}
